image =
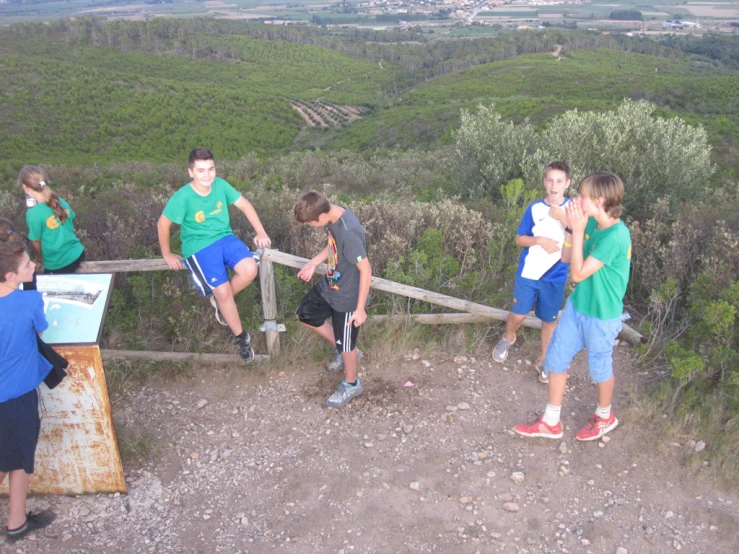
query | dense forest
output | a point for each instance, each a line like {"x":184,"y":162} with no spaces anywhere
{"x":440,"y":167}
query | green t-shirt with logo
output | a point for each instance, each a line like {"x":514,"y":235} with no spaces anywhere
{"x":204,"y":219}
{"x":602,"y":294}
{"x":59,"y":245}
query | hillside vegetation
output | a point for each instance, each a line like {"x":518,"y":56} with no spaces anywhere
{"x":440,"y":167}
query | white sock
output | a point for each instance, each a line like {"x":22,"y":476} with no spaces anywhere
{"x":605,"y":413}
{"x":551,"y":414}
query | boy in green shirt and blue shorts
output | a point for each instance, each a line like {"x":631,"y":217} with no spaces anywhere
{"x":598,"y":249}
{"x":208,"y":243}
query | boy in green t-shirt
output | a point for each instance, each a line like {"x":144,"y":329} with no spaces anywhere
{"x":598,"y":249}
{"x":208,"y":243}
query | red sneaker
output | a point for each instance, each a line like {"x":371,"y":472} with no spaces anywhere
{"x":539,"y":429}
{"x":596,"y":427}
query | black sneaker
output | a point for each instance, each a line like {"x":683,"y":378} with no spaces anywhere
{"x":245,"y":351}
{"x":34,"y":522}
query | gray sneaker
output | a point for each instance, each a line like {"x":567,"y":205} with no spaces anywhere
{"x":543,"y":375}
{"x":344,"y":394}
{"x":337,"y":361}
{"x":500,"y":352}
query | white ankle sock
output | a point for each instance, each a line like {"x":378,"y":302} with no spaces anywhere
{"x":605,"y":413}
{"x":551,"y":414}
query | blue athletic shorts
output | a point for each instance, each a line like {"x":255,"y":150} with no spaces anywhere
{"x":208,"y":266}
{"x":547,"y":296}
{"x":576,"y":331}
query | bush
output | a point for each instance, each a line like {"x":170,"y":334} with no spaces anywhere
{"x":654,"y":156}
{"x":490,"y":152}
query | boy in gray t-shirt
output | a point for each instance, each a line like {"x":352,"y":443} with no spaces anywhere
{"x":342,"y":294}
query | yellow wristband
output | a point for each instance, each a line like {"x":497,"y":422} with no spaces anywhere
{"x":567,"y":245}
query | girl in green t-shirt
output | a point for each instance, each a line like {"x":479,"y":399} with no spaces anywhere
{"x":50,"y":227}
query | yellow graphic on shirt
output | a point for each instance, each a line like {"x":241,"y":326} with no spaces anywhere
{"x":200,"y":216}
{"x":628,"y":255}
{"x":218,"y":209}
{"x":52,"y":222}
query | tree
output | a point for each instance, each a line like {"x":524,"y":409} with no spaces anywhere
{"x":490,"y":152}
{"x":655,"y":157}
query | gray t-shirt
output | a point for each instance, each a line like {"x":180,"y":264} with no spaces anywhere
{"x":346,"y":248}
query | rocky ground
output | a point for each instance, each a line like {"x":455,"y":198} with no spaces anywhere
{"x":250,"y":461}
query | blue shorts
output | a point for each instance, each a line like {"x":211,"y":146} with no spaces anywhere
{"x":547,"y":296}
{"x":208,"y":266}
{"x":576,"y":331}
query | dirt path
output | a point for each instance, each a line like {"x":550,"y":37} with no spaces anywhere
{"x":557,"y":52}
{"x":262,"y":467}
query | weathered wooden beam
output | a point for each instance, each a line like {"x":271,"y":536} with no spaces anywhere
{"x":114,"y":266}
{"x":151,"y":356}
{"x":630,"y":335}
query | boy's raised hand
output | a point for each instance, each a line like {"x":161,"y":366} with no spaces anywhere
{"x":578,"y":220}
{"x":307,"y":272}
{"x":262,"y":240}
{"x":558,"y":213}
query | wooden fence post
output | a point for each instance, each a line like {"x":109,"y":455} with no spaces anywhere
{"x":269,"y":305}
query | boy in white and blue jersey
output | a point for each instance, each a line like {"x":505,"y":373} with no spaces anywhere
{"x":541,"y":275}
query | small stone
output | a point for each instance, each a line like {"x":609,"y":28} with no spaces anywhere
{"x":464,"y":500}
{"x":621,"y":550}
{"x":386,"y":486}
{"x":460,"y":359}
{"x":415,"y":485}
{"x":483,"y":455}
{"x":206,"y":517}
{"x":676,"y":545}
{"x":244,"y":520}
{"x":563,"y":470}
{"x":194,"y":455}
{"x":518,"y":477}
{"x":451,"y":409}
{"x":368,"y":445}
{"x":416,"y":354}
{"x":281,"y":374}
{"x":426,"y":363}
{"x":700,"y":446}
{"x":505,"y":497}
{"x":510,"y":507}
{"x":606,"y":439}
{"x":359,"y":493}
{"x":562,"y":448}
{"x":463,"y":406}
{"x":447,"y":418}
{"x":202,"y":403}
{"x":66,"y":537}
{"x":408,"y":429}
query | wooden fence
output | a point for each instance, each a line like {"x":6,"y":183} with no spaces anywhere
{"x":468,"y":312}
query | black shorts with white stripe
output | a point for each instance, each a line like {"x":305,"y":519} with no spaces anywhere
{"x":314,"y":311}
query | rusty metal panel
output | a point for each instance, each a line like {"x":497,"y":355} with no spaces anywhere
{"x":77,"y":450}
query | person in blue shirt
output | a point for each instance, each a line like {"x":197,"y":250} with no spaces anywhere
{"x":22,"y":369}
{"x":541,"y":275}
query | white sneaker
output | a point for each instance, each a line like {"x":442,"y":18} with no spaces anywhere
{"x":219,"y":317}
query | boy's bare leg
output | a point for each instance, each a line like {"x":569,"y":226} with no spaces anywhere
{"x":350,"y":365}
{"x":18,"y":493}
{"x":547,"y":330}
{"x":605,"y":392}
{"x":227,"y":306}
{"x":326,"y":331}
{"x":557,"y":385}
{"x":244,"y":273}
{"x":512,"y":324}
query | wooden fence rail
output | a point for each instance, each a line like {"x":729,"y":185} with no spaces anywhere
{"x":471,"y":311}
